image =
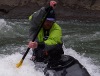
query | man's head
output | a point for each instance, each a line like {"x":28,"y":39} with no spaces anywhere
{"x":49,"y":20}
{"x":48,"y":24}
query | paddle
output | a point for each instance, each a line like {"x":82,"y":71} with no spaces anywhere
{"x":43,"y":20}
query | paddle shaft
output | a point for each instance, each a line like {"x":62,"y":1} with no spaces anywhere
{"x":35,"y":35}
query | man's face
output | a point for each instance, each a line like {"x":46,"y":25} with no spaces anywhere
{"x":48,"y":24}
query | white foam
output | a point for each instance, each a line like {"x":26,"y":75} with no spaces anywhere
{"x":86,"y":62}
{"x":8,"y":64}
{"x":3,"y":24}
{"x":5,"y":29}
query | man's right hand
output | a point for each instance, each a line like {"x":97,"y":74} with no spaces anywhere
{"x":32,"y":44}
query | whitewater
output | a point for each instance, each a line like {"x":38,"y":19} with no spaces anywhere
{"x":8,"y":60}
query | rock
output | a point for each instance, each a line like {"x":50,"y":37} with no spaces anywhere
{"x":66,"y":9}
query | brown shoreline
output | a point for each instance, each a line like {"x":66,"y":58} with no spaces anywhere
{"x":63,"y":11}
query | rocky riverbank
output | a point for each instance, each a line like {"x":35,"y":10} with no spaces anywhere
{"x":66,"y":9}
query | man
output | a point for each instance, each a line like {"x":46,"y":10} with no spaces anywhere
{"x":48,"y":49}
{"x":48,"y":46}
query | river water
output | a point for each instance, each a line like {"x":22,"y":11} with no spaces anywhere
{"x":81,"y":40}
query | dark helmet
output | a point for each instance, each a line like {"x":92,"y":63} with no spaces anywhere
{"x":51,"y":16}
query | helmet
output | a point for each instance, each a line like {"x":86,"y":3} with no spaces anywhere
{"x":51,"y":16}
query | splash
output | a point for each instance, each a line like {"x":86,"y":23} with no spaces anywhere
{"x":86,"y":62}
{"x":3,"y":25}
{"x":8,"y":66}
{"x":5,"y":29}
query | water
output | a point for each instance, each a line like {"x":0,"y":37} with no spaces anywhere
{"x":81,"y":40}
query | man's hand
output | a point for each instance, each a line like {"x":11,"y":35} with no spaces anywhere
{"x":53,"y":4}
{"x":32,"y":44}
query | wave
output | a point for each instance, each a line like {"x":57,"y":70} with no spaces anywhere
{"x":85,"y":61}
{"x":28,"y":69}
{"x":13,"y":28}
{"x":13,"y":37}
{"x":8,"y":66}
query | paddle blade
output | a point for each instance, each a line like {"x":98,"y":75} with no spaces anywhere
{"x":19,"y":64}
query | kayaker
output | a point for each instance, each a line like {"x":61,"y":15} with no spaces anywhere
{"x":47,"y":48}
{"x":48,"y":45}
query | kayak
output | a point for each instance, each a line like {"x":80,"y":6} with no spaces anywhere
{"x":66,"y":66}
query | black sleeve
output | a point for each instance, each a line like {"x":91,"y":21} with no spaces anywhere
{"x":47,"y":8}
{"x":41,"y":45}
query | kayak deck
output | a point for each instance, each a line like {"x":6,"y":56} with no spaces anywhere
{"x":66,"y":66}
